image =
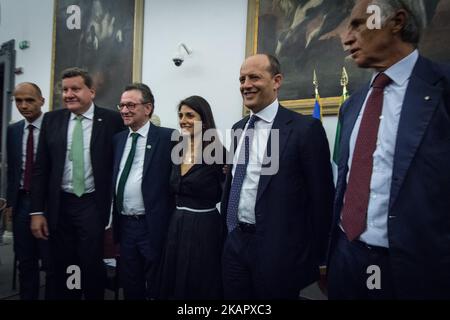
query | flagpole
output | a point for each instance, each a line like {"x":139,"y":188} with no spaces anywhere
{"x":336,"y":149}
{"x":317,"y":96}
{"x":316,"y":84}
{"x":344,"y":84}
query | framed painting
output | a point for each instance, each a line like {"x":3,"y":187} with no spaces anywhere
{"x":102,"y":36}
{"x":306,"y":36}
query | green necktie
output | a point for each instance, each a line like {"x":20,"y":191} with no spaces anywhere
{"x":126,"y":173}
{"x":77,"y":156}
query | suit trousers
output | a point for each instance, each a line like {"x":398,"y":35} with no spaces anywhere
{"x":29,"y":251}
{"x":137,"y":269}
{"x":78,"y":241}
{"x":358,"y":271}
{"x":239,"y":266}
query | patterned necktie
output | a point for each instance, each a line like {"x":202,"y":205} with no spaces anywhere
{"x":126,"y":172}
{"x":77,"y":153}
{"x":239,"y":175}
{"x":354,"y":212}
{"x":29,"y":156}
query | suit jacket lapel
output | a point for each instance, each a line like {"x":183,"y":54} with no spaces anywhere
{"x":122,"y":141}
{"x":17,"y":151}
{"x":353,"y":108}
{"x":63,"y":136}
{"x":235,"y":136}
{"x":281,"y":123}
{"x":421,"y":99}
{"x":238,"y":129}
{"x":152,"y":142}
{"x":97,"y":129}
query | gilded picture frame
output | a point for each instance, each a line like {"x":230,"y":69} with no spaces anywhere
{"x":304,"y":104}
{"x":102,"y":36}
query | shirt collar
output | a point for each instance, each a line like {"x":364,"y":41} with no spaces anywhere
{"x":143,"y":131}
{"x":268,"y":113}
{"x":89,"y":114}
{"x":402,"y":70}
{"x":36,"y":123}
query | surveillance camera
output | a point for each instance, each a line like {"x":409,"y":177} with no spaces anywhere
{"x":178,"y":61}
{"x":182,"y":52}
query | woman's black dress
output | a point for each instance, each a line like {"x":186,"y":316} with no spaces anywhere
{"x":191,"y":262}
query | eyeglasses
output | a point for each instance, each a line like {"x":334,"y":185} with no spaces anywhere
{"x":130,"y":105}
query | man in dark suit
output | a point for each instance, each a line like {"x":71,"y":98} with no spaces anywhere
{"x":71,"y":188}
{"x":391,"y":230}
{"x":279,"y":213}
{"x":143,"y":201}
{"x":22,"y":141}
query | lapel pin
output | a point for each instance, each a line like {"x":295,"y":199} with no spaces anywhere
{"x":149,"y":147}
{"x":427,"y":98}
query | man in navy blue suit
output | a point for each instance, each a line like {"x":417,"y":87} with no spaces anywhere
{"x":71,"y":188}
{"x":391,"y":232}
{"x":278,"y":195}
{"x":22,"y":142}
{"x":142,"y":197}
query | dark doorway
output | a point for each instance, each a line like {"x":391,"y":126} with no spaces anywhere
{"x":7,"y":67}
{"x":2,"y":88}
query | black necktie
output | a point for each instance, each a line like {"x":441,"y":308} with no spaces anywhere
{"x":29,"y":157}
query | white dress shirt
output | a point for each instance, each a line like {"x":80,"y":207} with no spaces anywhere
{"x":88,"y":120}
{"x":133,"y":201}
{"x":383,"y":157}
{"x":36,"y":131}
{"x":247,"y":200}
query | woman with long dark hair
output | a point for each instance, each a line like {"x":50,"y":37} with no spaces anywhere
{"x":191,"y":263}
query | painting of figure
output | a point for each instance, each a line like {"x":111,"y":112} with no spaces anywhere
{"x":97,"y":35}
{"x":306,"y":35}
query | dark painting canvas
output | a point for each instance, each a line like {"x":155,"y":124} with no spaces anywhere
{"x":306,"y":35}
{"x":96,"y":35}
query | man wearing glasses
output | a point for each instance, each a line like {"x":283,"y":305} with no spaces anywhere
{"x":71,"y":186}
{"x":142,"y":198}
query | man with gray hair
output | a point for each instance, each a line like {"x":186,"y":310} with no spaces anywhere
{"x":391,"y":227}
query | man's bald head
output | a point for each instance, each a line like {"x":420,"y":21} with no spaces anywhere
{"x":29,"y":100}
{"x":28,"y":84}
{"x":260,"y":80}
